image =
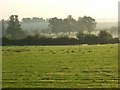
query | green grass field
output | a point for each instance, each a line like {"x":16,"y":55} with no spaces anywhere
{"x":92,"y":66}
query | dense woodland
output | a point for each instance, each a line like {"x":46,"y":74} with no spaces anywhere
{"x":14,"y":35}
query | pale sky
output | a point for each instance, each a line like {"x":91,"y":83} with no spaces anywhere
{"x":98,"y":9}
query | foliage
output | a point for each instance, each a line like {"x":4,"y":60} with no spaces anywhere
{"x":91,"y":39}
{"x":14,"y":30}
{"x":88,"y":23}
{"x":69,"y":24}
{"x":80,"y":35}
{"x":104,"y":37}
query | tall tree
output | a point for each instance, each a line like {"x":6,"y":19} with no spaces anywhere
{"x":79,"y":24}
{"x":88,"y":23}
{"x":53,"y":24}
{"x":14,"y":30}
{"x":70,"y":23}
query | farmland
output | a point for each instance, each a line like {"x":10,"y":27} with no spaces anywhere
{"x":81,"y":66}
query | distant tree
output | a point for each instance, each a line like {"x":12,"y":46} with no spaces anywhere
{"x":54,"y":24}
{"x":91,"y":39}
{"x":88,"y":23}
{"x":14,"y":30}
{"x":62,"y":25}
{"x":115,"y":40}
{"x":70,"y":23}
{"x":104,"y":37}
{"x":79,"y":24}
{"x":81,"y":36}
{"x":26,"y":20}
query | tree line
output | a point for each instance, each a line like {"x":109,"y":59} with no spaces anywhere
{"x":70,"y":24}
{"x":56,"y":25}
{"x":13,"y":30}
{"x":103,"y":37}
{"x":16,"y":36}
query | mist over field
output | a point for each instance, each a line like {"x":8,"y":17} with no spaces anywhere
{"x":44,"y":25}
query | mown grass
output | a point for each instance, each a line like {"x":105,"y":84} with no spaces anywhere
{"x":94,"y":66}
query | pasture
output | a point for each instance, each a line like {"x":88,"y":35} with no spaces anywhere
{"x":81,"y":66}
